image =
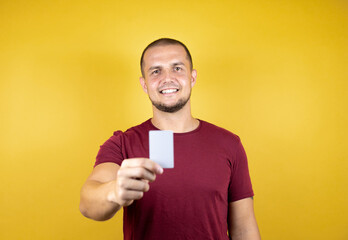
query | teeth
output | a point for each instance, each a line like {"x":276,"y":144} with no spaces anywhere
{"x":169,"y":90}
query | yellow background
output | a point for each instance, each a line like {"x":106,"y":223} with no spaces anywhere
{"x":273,"y":72}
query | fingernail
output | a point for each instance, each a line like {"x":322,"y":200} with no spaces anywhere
{"x":160,"y":170}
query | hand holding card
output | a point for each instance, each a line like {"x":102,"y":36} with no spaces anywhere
{"x":161,"y":146}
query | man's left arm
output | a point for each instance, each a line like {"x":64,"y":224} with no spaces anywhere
{"x":241,"y":220}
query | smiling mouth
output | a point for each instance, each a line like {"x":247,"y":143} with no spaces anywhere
{"x":166,"y":91}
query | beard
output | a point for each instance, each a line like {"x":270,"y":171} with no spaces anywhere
{"x":171,"y":108}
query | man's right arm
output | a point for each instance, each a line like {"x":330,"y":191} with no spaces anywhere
{"x":110,"y":186}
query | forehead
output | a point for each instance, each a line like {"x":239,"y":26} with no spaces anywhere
{"x":165,"y":55}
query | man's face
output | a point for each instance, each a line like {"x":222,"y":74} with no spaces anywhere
{"x":168,"y":78}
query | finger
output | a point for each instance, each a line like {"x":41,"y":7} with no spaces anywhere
{"x":144,"y":180}
{"x":143,"y":162}
{"x":135,"y":185}
{"x":128,"y":195}
{"x":136,"y":173}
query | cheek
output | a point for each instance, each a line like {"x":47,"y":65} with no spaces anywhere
{"x":152,"y":86}
{"x":185,"y":81}
{"x":153,"y":80}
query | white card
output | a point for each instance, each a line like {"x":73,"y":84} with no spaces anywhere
{"x":162,"y":147}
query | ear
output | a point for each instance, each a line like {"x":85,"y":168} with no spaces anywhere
{"x":143,"y":84}
{"x":193,"y":77}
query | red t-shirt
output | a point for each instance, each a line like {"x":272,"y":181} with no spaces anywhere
{"x":191,"y":200}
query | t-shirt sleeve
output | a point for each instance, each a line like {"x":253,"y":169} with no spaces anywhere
{"x":112,"y":150}
{"x":240,"y":184}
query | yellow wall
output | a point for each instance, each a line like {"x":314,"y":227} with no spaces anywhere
{"x":274,"y":72}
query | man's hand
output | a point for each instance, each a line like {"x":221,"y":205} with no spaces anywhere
{"x":133,"y":179}
{"x":110,"y":186}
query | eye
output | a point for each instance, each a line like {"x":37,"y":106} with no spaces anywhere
{"x":155,"y":72}
{"x":177,"y":69}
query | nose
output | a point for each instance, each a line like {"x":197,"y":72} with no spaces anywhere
{"x":168,"y":76}
{"x":168,"y":79}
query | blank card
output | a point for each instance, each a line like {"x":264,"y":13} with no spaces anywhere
{"x":162,"y":147}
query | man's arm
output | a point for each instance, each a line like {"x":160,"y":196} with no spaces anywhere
{"x":96,"y":194}
{"x":110,"y":186}
{"x":241,"y":220}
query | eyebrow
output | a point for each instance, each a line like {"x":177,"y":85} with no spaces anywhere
{"x":153,"y":67}
{"x":158,"y":66}
{"x":178,"y":63}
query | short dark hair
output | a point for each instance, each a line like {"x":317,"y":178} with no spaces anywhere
{"x":164,"y":42}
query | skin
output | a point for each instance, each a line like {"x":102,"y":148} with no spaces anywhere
{"x":167,"y":67}
{"x":110,"y":186}
{"x":242,"y":223}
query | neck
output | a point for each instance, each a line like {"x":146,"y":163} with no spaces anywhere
{"x":179,"y":122}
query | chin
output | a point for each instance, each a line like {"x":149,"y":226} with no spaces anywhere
{"x":171,"y":108}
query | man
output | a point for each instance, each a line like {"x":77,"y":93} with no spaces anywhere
{"x":207,"y":194}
